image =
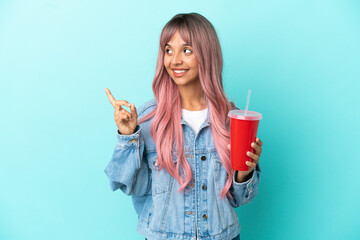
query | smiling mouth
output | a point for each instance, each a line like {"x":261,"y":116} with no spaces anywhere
{"x":180,"y":73}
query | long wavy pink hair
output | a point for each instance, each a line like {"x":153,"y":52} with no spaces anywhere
{"x":166,"y":129}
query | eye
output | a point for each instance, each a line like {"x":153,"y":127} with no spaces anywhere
{"x":166,"y":50}
{"x":188,"y":50}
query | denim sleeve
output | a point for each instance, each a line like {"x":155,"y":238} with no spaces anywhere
{"x":126,"y":169}
{"x":245,"y":192}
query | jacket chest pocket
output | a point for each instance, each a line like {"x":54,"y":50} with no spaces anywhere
{"x":161,"y":180}
{"x":220,"y":173}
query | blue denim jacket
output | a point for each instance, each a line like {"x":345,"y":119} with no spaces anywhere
{"x":164,"y":213}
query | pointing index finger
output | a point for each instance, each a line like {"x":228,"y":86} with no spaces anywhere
{"x":110,"y":96}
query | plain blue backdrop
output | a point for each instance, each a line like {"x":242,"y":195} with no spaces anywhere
{"x":299,"y":58}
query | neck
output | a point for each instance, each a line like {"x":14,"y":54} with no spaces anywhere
{"x":192,"y":97}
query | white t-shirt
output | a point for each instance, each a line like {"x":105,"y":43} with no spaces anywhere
{"x":194,"y":118}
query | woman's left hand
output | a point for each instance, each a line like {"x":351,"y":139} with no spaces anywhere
{"x":255,"y":156}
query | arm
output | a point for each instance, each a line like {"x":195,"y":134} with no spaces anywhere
{"x":126,"y":170}
{"x":245,"y":192}
{"x":244,"y":189}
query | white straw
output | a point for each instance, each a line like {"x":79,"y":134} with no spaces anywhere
{"x":247,"y":102}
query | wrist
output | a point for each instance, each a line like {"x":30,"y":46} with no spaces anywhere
{"x":130,"y":132}
{"x":242,"y":176}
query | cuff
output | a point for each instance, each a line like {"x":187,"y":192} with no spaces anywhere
{"x":249,"y":183}
{"x":126,"y":140}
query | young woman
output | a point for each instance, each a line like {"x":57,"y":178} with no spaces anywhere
{"x":173,"y":154}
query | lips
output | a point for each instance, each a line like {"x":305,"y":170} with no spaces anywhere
{"x":180,"y":72}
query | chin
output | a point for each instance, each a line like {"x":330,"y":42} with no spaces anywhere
{"x":180,"y":82}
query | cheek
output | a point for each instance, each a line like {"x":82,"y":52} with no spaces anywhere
{"x":195,"y":70}
{"x":194,"y":65}
{"x":166,"y":65}
{"x":166,"y":61}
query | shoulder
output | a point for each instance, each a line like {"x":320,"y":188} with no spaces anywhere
{"x":233,"y":107}
{"x":147,"y":107}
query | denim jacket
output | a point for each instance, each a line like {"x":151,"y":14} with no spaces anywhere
{"x":163,"y":213}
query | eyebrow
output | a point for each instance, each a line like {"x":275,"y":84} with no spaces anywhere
{"x":185,"y":44}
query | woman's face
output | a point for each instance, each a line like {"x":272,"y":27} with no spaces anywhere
{"x":180,"y":61}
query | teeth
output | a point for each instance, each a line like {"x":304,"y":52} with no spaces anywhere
{"x":179,"y":71}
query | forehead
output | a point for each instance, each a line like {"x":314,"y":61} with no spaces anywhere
{"x":176,"y":39}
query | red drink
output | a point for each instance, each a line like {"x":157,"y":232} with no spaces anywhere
{"x":243,"y":130}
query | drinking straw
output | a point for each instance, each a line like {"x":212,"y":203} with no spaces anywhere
{"x":247,"y":102}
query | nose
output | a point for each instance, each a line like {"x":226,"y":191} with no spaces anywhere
{"x":176,"y":59}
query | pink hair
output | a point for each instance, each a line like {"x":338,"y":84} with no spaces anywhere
{"x":166,"y":129}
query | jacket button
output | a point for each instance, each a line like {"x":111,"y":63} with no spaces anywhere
{"x":204,"y":187}
{"x":156,"y":164}
{"x":204,"y":216}
{"x":203,"y":158}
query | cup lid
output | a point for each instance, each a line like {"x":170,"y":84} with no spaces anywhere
{"x":250,"y":115}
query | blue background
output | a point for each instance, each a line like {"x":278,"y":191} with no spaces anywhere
{"x":301,"y":59}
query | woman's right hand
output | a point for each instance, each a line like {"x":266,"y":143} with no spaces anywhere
{"x":125,"y":121}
